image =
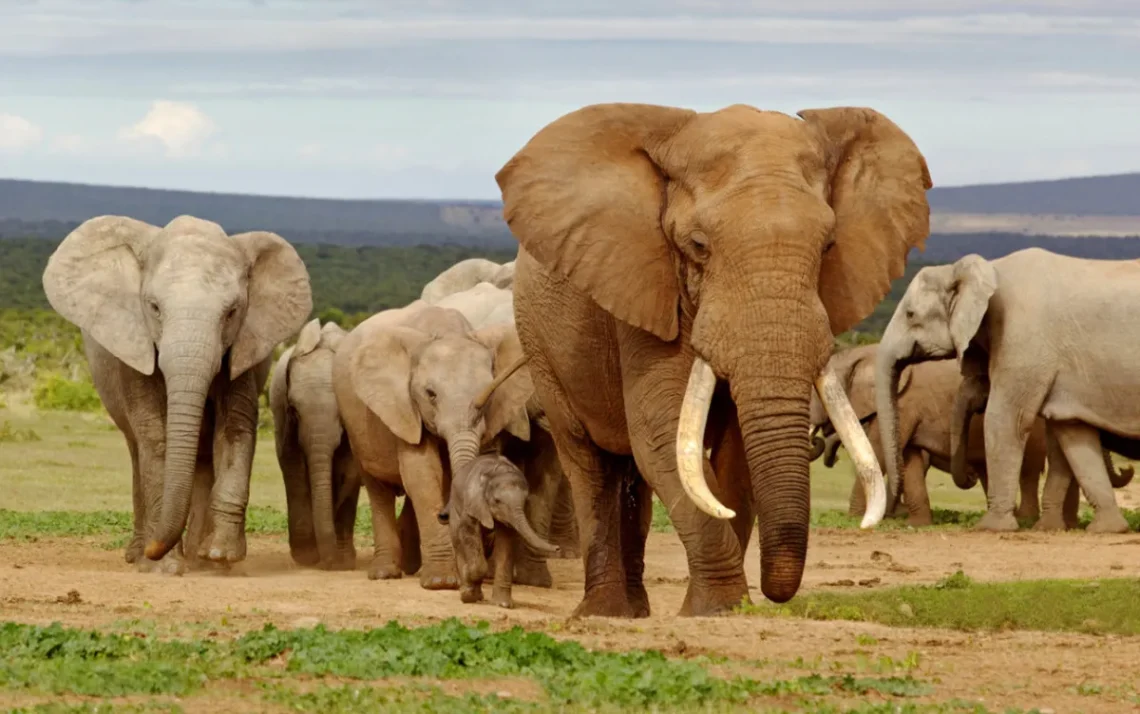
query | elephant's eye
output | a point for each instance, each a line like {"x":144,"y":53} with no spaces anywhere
{"x":700,"y":245}
{"x":231,"y":313}
{"x":152,"y":305}
{"x":909,"y":314}
{"x":430,"y":394}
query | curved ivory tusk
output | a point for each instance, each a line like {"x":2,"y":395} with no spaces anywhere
{"x":859,"y":447}
{"x":691,"y":440}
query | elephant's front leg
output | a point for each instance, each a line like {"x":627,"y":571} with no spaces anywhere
{"x":147,"y":409}
{"x":387,"y":548}
{"x":1032,"y":465}
{"x":1081,"y":445}
{"x":348,"y":476}
{"x":421,"y":470}
{"x":654,"y":390}
{"x":502,"y":552}
{"x":1006,"y":431}
{"x":235,"y":438}
{"x":914,"y":486}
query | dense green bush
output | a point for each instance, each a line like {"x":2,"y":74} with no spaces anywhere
{"x":55,"y":392}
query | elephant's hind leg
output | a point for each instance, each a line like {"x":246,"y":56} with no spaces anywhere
{"x":1081,"y":444}
{"x":914,"y":486}
{"x":1059,"y":484}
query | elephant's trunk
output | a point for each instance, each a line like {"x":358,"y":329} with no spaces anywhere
{"x":817,"y":447}
{"x":516,"y":518}
{"x":1118,"y":479}
{"x":966,"y":404}
{"x":188,"y":367}
{"x":773,"y":418}
{"x":462,"y":448}
{"x":321,"y":485}
{"x":888,"y":368}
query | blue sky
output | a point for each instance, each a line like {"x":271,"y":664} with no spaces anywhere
{"x":428,"y":98}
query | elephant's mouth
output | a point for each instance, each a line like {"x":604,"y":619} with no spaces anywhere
{"x":826,"y":429}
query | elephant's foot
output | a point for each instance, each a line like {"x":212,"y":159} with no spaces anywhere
{"x":1027,"y":512}
{"x":134,"y":552}
{"x":225,"y":545}
{"x":993,"y":521}
{"x":171,"y":564}
{"x":439,"y":576}
{"x":535,"y":573}
{"x":638,"y":599}
{"x":920,"y":520}
{"x":1050,"y":522}
{"x":471,"y":593}
{"x":382,"y":570}
{"x":1108,"y":521}
{"x":704,"y":598}
{"x":502,"y":598}
{"x":605,"y":601}
{"x":306,"y":557}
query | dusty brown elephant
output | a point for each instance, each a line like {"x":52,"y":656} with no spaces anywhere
{"x":663,"y":250}
{"x":322,"y":480}
{"x":179,"y":325}
{"x":406,"y":381}
{"x":927,"y":393}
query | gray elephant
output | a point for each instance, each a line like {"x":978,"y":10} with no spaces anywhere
{"x":322,"y":480}
{"x":467,"y":274}
{"x":179,"y":324}
{"x":415,"y":384}
{"x":1047,"y":334}
{"x":485,"y":513}
{"x":1061,"y":495}
{"x":926,"y":397}
{"x":482,"y":304}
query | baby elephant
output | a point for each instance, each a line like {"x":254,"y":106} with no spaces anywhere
{"x":484,"y":512}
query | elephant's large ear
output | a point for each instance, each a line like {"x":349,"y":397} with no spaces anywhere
{"x":381,"y":373}
{"x":309,"y":338}
{"x":585,"y":199}
{"x":332,"y":335}
{"x":279,"y":298}
{"x":507,"y":407}
{"x":972,"y":283}
{"x":878,"y":190}
{"x":93,"y":280}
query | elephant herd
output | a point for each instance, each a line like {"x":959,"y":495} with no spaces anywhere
{"x":666,"y":328}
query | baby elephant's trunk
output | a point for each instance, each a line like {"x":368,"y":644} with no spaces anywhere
{"x":517,"y":519}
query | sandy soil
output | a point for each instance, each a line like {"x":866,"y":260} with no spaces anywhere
{"x":1022,"y":669}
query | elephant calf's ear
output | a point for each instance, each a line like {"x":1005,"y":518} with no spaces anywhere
{"x":381,"y":373}
{"x":973,"y":283}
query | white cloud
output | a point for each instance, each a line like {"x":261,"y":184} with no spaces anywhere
{"x":17,"y":133}
{"x":181,"y":128}
{"x":310,"y":151}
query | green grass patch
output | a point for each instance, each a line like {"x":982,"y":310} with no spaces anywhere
{"x":1105,"y":606}
{"x":57,"y":660}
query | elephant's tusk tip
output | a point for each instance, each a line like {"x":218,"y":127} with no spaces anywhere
{"x":155,"y":550}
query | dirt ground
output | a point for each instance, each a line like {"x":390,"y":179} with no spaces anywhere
{"x":1018,"y":669}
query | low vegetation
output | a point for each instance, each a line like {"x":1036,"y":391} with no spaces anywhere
{"x":1105,"y":606}
{"x":399,"y":669}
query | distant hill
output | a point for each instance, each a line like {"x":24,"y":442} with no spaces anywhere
{"x":1067,"y":209}
{"x":1116,"y":195}
{"x":50,"y":210}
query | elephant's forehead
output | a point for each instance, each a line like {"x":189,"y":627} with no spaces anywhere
{"x":455,"y":353}
{"x":210,"y":260}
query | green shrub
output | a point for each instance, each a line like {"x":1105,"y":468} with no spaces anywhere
{"x":55,"y":392}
